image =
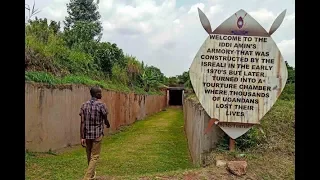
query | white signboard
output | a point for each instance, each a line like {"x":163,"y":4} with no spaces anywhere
{"x":238,"y":72}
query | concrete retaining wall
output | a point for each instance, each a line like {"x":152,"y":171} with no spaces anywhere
{"x":52,"y":120}
{"x":196,"y":121}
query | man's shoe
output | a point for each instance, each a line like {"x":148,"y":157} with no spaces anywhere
{"x":94,"y":175}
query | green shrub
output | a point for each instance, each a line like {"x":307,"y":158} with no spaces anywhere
{"x":288,"y":92}
{"x":41,"y":77}
{"x":250,"y":139}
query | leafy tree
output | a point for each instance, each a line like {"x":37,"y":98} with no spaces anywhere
{"x":41,"y":30}
{"x":184,"y":78}
{"x":173,"y":81}
{"x":55,"y":26}
{"x":119,"y":74}
{"x":134,"y":70}
{"x":106,"y":55}
{"x":83,"y":23}
{"x":291,"y":73}
{"x":159,"y":76}
{"x":47,"y":51}
{"x":149,"y":79}
{"x":118,"y":55}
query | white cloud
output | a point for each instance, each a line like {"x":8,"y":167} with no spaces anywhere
{"x":106,"y":4}
{"x":177,"y":21}
{"x":216,"y":9}
{"x":290,"y":17}
{"x":56,"y":10}
{"x":214,"y":1}
{"x":182,"y":9}
{"x":55,"y":13}
{"x":138,"y":12}
{"x":287,"y":49}
{"x":263,"y":15}
{"x":287,"y":45}
{"x":107,"y":26}
{"x":194,"y":8}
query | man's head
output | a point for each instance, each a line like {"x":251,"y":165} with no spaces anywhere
{"x":96,"y":92}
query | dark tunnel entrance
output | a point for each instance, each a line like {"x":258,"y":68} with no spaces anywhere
{"x":175,"y":96}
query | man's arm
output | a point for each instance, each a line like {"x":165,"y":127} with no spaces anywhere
{"x":104,"y":112}
{"x":82,"y":127}
{"x":83,"y":141}
{"x":81,"y":123}
{"x":106,"y":122}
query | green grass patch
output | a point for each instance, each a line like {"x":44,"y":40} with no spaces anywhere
{"x":154,"y":145}
{"x":270,"y":149}
{"x":48,"y":78}
{"x":276,"y":132}
{"x":288,"y":92}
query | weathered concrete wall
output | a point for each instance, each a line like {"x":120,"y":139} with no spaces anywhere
{"x":52,"y":114}
{"x":196,"y":121}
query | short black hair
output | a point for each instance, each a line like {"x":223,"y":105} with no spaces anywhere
{"x":94,"y":91}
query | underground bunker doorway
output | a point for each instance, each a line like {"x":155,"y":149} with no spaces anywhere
{"x":175,"y":96}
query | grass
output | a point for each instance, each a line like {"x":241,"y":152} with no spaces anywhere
{"x":154,"y":145}
{"x":274,"y":157}
{"x":44,"y":77}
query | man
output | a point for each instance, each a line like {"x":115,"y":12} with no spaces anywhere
{"x":93,"y":115}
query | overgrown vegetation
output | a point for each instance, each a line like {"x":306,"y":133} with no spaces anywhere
{"x":180,"y":80}
{"x":268,"y":149}
{"x":77,"y":55}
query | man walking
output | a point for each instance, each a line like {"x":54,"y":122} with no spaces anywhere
{"x":93,"y":115}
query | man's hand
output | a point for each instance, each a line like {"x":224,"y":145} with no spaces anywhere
{"x":83,"y":142}
{"x":107,"y":123}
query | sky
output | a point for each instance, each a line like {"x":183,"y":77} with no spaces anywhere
{"x":168,"y":33}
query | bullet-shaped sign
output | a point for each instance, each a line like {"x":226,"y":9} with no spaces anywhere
{"x":238,"y":72}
